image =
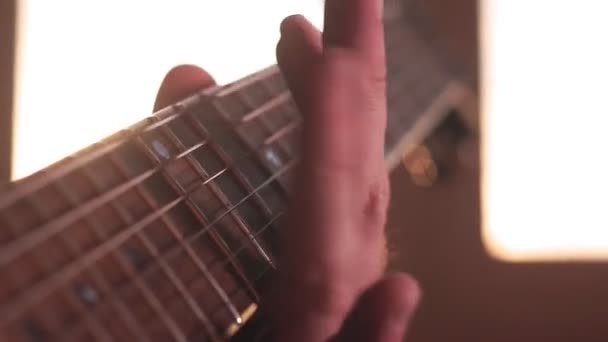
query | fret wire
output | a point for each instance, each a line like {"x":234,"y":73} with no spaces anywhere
{"x":216,"y":264}
{"x":282,"y":132}
{"x":54,"y":226}
{"x":227,"y":159}
{"x":189,"y":251}
{"x":45,"y":266}
{"x":40,"y":289}
{"x":149,"y":296}
{"x":253,"y":149}
{"x":243,"y":246}
{"x":243,"y":183}
{"x":125,"y":313}
{"x":94,"y":325}
{"x":255,"y":279}
{"x":218,"y":194}
{"x":190,"y":239}
{"x":225,"y":262}
{"x":247,"y":81}
{"x":216,"y":238}
{"x":284,"y":106}
{"x":153,"y":250}
{"x":112,"y":142}
{"x":271,"y":104}
{"x":285,"y":130}
{"x":42,"y":233}
{"x":107,"y":145}
{"x":46,"y":176}
{"x":226,"y":249}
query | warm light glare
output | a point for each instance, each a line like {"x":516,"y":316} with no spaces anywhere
{"x":545,"y":66}
{"x":89,"y":68}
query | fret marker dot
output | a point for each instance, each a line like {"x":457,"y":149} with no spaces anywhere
{"x":87,"y":294}
{"x":161,"y":150}
{"x":272,"y":157}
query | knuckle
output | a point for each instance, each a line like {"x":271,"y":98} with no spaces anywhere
{"x":376,"y":204}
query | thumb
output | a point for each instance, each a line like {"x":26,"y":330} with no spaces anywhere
{"x":383,"y":312}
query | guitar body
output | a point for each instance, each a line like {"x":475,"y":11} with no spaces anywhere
{"x":168,"y":230}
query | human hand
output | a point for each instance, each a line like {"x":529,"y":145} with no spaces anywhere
{"x":332,"y":284}
{"x":331,"y":271}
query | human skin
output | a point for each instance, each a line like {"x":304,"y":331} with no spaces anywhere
{"x":331,"y":285}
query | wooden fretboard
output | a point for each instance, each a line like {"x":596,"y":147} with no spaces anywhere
{"x":168,"y":230}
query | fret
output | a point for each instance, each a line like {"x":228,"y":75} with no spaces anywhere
{"x":22,"y":218}
{"x":127,"y":318}
{"x":207,"y":249}
{"x":275,"y":82}
{"x":216,"y":233}
{"x":168,"y":230}
{"x":282,"y":132}
{"x":147,"y":288}
{"x":253,"y":132}
{"x":69,"y":250}
{"x":163,"y":226}
{"x":232,"y":228}
{"x":248,"y":81}
{"x":227,"y":186}
{"x":283,"y":122}
{"x":411,"y":86}
{"x":50,"y":228}
{"x":270,"y":105}
{"x":201,"y":175}
{"x":39,"y":290}
{"x":235,"y":186}
{"x":86,"y":257}
{"x":271,"y":157}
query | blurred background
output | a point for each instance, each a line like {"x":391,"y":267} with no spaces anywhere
{"x":499,"y":213}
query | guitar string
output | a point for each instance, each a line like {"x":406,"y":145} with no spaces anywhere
{"x":40,"y":234}
{"x":192,"y":237}
{"x":258,"y":190}
{"x":239,"y":250}
{"x":7,"y":255}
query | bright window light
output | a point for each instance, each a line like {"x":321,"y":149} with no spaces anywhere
{"x":89,"y":68}
{"x":545,"y":178}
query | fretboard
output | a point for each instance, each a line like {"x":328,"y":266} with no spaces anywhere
{"x":168,"y":230}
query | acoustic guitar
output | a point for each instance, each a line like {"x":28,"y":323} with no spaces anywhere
{"x":167,"y":230}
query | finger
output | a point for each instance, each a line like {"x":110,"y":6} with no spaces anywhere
{"x":298,"y":50}
{"x":383,"y":313}
{"x":332,"y":248}
{"x":353,"y":24}
{"x":181,"y":81}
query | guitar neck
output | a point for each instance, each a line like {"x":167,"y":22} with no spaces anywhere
{"x":168,"y":229}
